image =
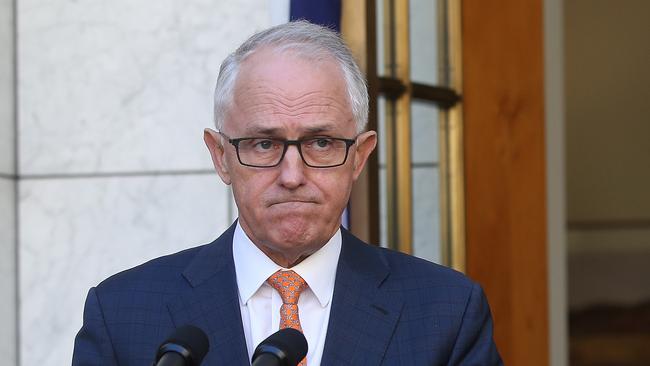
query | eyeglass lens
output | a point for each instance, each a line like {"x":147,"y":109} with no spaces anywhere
{"x":317,"y":152}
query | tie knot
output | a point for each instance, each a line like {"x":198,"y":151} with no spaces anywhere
{"x":289,"y":285}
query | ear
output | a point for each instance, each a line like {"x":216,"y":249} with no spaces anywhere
{"x":365,"y":144}
{"x":213,"y":142}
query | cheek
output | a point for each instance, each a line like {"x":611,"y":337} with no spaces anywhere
{"x":249,"y":188}
{"x":335,"y":187}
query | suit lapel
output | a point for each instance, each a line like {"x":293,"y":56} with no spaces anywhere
{"x":363,"y":315}
{"x":212,"y":302}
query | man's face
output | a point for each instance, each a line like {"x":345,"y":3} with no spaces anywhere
{"x":291,"y":210}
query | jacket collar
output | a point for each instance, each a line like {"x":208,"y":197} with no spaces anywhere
{"x":363,"y":315}
{"x":362,"y":319}
{"x":212,"y":304}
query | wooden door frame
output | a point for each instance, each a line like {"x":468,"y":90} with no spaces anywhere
{"x":505,"y":177}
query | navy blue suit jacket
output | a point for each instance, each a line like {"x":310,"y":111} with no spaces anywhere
{"x":388,"y":309}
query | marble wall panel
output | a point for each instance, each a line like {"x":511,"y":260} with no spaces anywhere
{"x":8,"y":275}
{"x":7,"y":134}
{"x":8,"y":271}
{"x":76,"y":232}
{"x":122,"y":85}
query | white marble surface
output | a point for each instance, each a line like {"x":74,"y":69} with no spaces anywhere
{"x":426,"y":214}
{"x":7,"y":272}
{"x":279,"y":11}
{"x":6,"y":88}
{"x":122,"y":85}
{"x":76,"y":232}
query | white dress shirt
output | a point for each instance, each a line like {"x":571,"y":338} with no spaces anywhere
{"x":260,"y":303}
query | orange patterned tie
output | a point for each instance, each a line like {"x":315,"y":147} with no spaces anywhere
{"x":289,"y":285}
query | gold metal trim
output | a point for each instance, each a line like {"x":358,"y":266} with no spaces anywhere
{"x":456,"y":177}
{"x":403,"y":129}
{"x":443,"y":133}
{"x":354,"y":32}
{"x":391,"y":175}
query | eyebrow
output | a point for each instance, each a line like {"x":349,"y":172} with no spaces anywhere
{"x":263,"y":131}
{"x":276,"y":131}
{"x":319,"y":129}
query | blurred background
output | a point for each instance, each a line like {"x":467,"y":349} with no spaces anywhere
{"x":513,"y":147}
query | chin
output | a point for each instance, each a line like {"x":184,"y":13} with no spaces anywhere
{"x":297,"y":233}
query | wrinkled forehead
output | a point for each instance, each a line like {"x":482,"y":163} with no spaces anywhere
{"x":292,"y":76}
{"x":319,"y":61}
{"x":285,"y":87}
{"x":304,"y":51}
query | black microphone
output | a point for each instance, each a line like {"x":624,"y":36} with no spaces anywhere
{"x":285,"y":347}
{"x":185,"y":347}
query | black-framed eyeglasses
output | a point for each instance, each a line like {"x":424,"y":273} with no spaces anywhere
{"x":316,"y":152}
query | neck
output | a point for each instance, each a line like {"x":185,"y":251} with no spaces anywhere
{"x":284,"y":261}
{"x":286,"y":256}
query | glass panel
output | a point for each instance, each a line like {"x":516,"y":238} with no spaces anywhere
{"x":385,"y":37}
{"x":427,"y":51}
{"x":426,"y":214}
{"x":381,"y":151}
{"x":385,"y":149}
{"x":424,"y":40}
{"x":383,"y":209}
{"x":424,"y":132}
{"x":425,"y":145}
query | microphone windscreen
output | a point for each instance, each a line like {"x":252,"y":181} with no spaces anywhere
{"x":193,"y":339}
{"x":292,"y":342}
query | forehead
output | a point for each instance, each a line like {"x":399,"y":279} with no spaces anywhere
{"x":282,"y":90}
{"x":279,"y":64}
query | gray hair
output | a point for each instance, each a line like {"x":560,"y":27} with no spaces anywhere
{"x":306,"y":40}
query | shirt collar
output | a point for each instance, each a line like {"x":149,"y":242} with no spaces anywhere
{"x":253,"y":267}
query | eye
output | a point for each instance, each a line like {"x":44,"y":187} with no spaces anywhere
{"x":322,"y":143}
{"x":263,"y":144}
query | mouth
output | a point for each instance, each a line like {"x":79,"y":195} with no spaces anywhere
{"x":294,"y":202}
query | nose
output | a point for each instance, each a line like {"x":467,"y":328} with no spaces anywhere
{"x":292,"y":169}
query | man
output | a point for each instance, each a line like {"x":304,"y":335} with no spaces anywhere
{"x":290,"y":108}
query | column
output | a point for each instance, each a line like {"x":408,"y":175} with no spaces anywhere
{"x":8,"y":277}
